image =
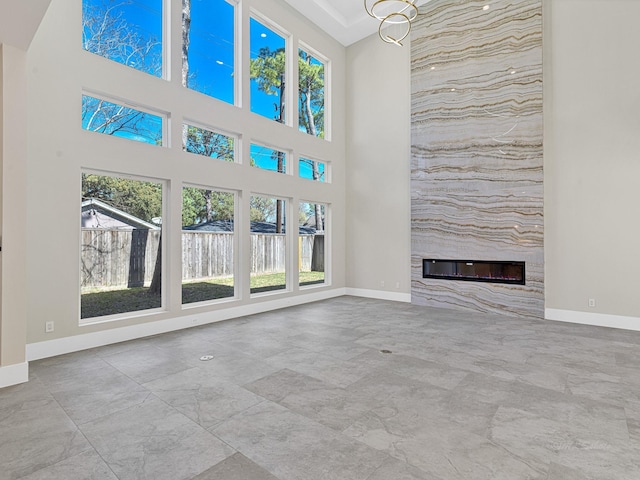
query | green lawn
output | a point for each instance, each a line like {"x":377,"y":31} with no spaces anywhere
{"x":110,"y":302}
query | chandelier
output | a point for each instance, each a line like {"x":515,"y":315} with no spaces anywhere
{"x":393,"y":12}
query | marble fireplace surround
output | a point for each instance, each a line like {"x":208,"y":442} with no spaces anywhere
{"x":476,"y":160}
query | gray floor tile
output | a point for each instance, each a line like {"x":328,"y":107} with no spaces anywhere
{"x":35,"y":431}
{"x":203,"y":397}
{"x":294,"y":447}
{"x":327,"y":404}
{"x":146,"y":364}
{"x":236,"y":467}
{"x":85,"y":466}
{"x":154,"y":441}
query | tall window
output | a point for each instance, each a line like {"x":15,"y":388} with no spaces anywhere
{"x":207,"y":244}
{"x":311,"y":243}
{"x":208,"y":47}
{"x":268,"y":244}
{"x":268,"y":158}
{"x":121,"y":259}
{"x":310,"y":94}
{"x":208,"y":143}
{"x":268,"y":60}
{"x":102,"y":116}
{"x":125,"y":31}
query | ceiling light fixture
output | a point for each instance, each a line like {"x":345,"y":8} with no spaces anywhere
{"x":393,"y":12}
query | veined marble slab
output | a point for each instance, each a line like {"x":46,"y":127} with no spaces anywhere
{"x":477,"y":164}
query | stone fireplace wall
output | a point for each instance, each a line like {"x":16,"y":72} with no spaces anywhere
{"x":476,"y":162}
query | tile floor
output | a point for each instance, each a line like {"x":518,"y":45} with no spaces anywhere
{"x":305,"y":393}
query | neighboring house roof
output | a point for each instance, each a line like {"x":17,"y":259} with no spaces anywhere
{"x":98,"y":214}
{"x":256,"y":227}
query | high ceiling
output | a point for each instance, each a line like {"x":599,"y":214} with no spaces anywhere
{"x":345,"y":20}
{"x":20,"y":20}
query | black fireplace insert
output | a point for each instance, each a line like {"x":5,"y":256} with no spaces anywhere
{"x":474,"y":270}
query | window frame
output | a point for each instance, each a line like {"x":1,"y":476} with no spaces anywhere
{"x":163,"y":115}
{"x":288,"y":66}
{"x":164,"y":243}
{"x":326,"y":95}
{"x":237,"y":268}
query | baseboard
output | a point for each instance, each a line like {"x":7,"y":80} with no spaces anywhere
{"x":595,"y":319}
{"x":379,"y":294}
{"x":61,"y":346}
{"x":14,"y":374}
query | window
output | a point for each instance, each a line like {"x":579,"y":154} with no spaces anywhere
{"x":268,"y":60}
{"x":268,"y":244}
{"x":208,"y":47}
{"x":312,"y":169}
{"x":207,"y":244}
{"x":268,"y":158}
{"x":125,"y":31}
{"x":121,"y":254}
{"x":310,"y":94}
{"x":311,"y":243}
{"x":208,"y":143}
{"x":101,"y":116}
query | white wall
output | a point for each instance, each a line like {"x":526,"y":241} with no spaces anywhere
{"x":378,"y":169}
{"x":13,"y":180}
{"x":592,"y":161}
{"x":59,"y":149}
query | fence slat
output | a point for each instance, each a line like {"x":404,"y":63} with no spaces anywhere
{"x":106,"y":255}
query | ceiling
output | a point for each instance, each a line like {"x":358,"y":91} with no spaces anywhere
{"x":20,"y":20}
{"x":345,"y":20}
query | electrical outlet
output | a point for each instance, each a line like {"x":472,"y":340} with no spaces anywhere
{"x":592,"y":302}
{"x":382,"y":283}
{"x":48,"y":327}
{"x":397,"y":284}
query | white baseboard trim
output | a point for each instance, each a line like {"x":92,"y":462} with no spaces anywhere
{"x":595,"y":319}
{"x":379,"y":294}
{"x":61,"y":346}
{"x":14,"y":374}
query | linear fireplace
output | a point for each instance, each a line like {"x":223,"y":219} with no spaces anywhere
{"x":474,"y":270}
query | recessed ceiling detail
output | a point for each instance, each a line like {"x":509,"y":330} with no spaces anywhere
{"x":345,"y":20}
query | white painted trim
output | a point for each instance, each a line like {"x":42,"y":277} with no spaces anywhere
{"x":14,"y":374}
{"x":596,"y":319}
{"x":379,"y":294}
{"x":61,"y":346}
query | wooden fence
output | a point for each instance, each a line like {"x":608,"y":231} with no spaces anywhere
{"x":126,"y":258}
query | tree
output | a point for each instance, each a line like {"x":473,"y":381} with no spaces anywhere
{"x":311,"y":94}
{"x":138,"y":198}
{"x":262,"y":209}
{"x":200,"y":205}
{"x":107,"y":32}
{"x":186,"y":39}
{"x":267,"y":69}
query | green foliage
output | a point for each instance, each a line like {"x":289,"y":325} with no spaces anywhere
{"x":262,"y":209}
{"x":199,"y":205}
{"x":267,"y":69}
{"x":311,"y":94}
{"x":209,"y":144}
{"x":137,"y":198}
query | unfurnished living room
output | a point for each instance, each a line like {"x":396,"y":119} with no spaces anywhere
{"x":459,"y":297}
